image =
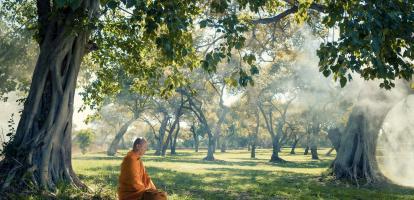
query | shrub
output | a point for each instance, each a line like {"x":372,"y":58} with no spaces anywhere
{"x":84,"y":138}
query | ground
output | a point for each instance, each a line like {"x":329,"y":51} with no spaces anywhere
{"x":234,"y":176}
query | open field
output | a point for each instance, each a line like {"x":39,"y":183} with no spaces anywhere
{"x":234,"y":176}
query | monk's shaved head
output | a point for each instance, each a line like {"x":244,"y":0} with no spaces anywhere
{"x":138,"y":142}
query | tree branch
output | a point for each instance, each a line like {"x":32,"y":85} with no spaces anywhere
{"x":293,"y":9}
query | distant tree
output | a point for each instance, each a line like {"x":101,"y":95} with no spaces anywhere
{"x":84,"y":138}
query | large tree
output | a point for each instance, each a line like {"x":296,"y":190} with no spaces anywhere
{"x":356,"y":143}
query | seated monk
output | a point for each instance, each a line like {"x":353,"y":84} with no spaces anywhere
{"x":134,"y":182}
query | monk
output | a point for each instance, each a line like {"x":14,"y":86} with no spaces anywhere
{"x":134,"y":182}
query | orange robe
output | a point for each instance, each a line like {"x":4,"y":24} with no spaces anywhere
{"x":133,"y":180}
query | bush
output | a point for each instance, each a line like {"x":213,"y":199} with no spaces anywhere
{"x":84,"y":139}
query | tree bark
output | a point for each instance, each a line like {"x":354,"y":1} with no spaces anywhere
{"x":334,"y":135}
{"x":275,"y":153}
{"x":276,"y":143}
{"x":314,"y":144}
{"x":202,"y":119}
{"x":221,"y":116}
{"x":161,"y":133}
{"x":113,"y":147}
{"x":176,"y":122}
{"x":253,"y":151}
{"x":355,"y":158}
{"x":314,"y":152}
{"x":255,"y":135}
{"x":295,"y":142}
{"x":276,"y":138}
{"x":40,"y":152}
{"x":174,"y":142}
{"x":122,"y":144}
{"x":306,"y":150}
{"x":195,"y":136}
{"x":217,"y":129}
{"x":210,"y":151}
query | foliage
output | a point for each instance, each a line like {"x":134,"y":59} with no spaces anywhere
{"x":18,"y":51}
{"x":375,"y":41}
{"x":84,"y":138}
{"x":11,"y":132}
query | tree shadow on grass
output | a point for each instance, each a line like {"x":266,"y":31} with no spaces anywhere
{"x":289,"y":185}
{"x":173,"y":182}
{"x":98,"y":157}
{"x":236,"y":183}
{"x":323,"y":163}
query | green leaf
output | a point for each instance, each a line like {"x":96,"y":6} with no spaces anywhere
{"x":326,"y":72}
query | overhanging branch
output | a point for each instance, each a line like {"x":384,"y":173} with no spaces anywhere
{"x":293,"y":9}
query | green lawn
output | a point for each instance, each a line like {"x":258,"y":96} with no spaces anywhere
{"x":234,"y":176}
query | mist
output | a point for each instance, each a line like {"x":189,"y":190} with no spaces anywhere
{"x":396,"y":143}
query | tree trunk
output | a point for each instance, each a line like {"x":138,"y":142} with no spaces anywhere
{"x":276,"y":143}
{"x":253,"y":151}
{"x":356,"y":154}
{"x":210,"y":152}
{"x":168,"y":140}
{"x":314,"y":152}
{"x":256,"y":133}
{"x":113,"y":147}
{"x":202,"y":119}
{"x":217,"y":130}
{"x":308,"y":133}
{"x":355,"y":159}
{"x":175,"y":124}
{"x":329,"y":152}
{"x":161,"y":134}
{"x":306,"y":150}
{"x":334,"y":135}
{"x":195,"y":136}
{"x":39,"y":154}
{"x":174,"y":142}
{"x":275,"y":153}
{"x":223,"y":146}
{"x":122,"y":145}
{"x":295,"y":142}
{"x":275,"y":137}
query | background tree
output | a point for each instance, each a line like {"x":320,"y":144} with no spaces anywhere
{"x":84,"y":138}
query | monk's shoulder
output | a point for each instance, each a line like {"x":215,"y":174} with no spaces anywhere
{"x":130,"y":158}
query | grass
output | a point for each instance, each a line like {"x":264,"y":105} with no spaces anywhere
{"x":234,"y":176}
